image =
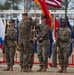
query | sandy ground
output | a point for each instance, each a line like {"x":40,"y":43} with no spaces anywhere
{"x":50,"y":70}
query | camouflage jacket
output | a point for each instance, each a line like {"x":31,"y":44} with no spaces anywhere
{"x":11,"y":36}
{"x":65,"y":36}
{"x":44,"y":34}
{"x":24,"y":30}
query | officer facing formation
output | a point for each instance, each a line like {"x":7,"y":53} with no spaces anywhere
{"x":24,"y":17}
{"x":64,"y":37}
{"x":24,"y":40}
{"x":10,"y":46}
{"x":31,"y":47}
{"x":43,"y":44}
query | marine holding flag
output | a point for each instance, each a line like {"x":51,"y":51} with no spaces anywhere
{"x":24,"y":28}
{"x":43,"y":44}
{"x":64,"y":37}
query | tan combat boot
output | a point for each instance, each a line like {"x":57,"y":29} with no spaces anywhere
{"x":61,"y":70}
{"x":44,"y":69}
{"x":11,"y":68}
{"x":65,"y":70}
{"x":29,"y":69}
{"x":25,"y":69}
{"x":21,"y":69}
{"x":7,"y":69}
{"x":40,"y":69}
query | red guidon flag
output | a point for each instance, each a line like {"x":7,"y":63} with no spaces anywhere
{"x":54,"y":3}
{"x":56,"y":26}
{"x":45,"y":11}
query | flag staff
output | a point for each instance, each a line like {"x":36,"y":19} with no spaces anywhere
{"x":34,"y":15}
{"x":35,"y":9}
{"x":25,"y":6}
{"x":66,"y":6}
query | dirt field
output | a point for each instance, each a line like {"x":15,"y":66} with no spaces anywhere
{"x":50,"y":70}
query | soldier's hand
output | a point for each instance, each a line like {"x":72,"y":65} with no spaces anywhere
{"x":16,"y":42}
{"x":33,"y":30}
{"x":41,"y":38}
{"x":35,"y":38}
{"x":5,"y":34}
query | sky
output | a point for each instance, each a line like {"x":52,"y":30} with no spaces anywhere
{"x":21,"y":5}
{"x":2,"y":1}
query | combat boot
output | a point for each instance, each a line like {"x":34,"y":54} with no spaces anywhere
{"x":11,"y":68}
{"x":61,"y":70}
{"x":44,"y":69}
{"x":25,"y":69}
{"x":21,"y":69}
{"x":64,"y":70}
{"x":40,"y":69}
{"x":7,"y":69}
{"x":29,"y":69}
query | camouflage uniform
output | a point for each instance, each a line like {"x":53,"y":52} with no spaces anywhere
{"x":31,"y":55}
{"x":10,"y":47}
{"x":31,"y":48}
{"x":24,"y":40}
{"x":43,"y":45}
{"x":64,"y":46}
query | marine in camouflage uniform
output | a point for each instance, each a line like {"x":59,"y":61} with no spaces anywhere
{"x":64,"y":38}
{"x":31,"y":47}
{"x":24,"y":40}
{"x":10,"y":46}
{"x":43,"y":45}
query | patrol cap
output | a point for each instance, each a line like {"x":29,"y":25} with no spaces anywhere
{"x":24,"y":14}
{"x":12,"y":21}
{"x":64,"y":20}
{"x":43,"y":17}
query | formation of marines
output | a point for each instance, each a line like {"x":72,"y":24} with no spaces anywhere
{"x":26,"y":37}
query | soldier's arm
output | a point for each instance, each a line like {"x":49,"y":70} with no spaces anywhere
{"x":44,"y":32}
{"x":67,"y":36}
{"x":13,"y":35}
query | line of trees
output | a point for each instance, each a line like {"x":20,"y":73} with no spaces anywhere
{"x":14,"y":4}
{"x":10,"y":4}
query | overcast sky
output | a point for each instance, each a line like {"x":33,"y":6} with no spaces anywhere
{"x":21,"y":5}
{"x":2,"y":1}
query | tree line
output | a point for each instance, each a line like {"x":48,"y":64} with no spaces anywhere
{"x":14,"y":4}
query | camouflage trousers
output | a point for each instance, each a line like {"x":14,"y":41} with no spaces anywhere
{"x":42,"y":53}
{"x":10,"y":52}
{"x":31,"y":55}
{"x":63,"y":56}
{"x":24,"y":59}
{"x":24,"y":53}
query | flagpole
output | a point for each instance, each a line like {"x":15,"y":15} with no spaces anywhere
{"x":34,"y":17}
{"x":25,"y":6}
{"x":35,"y":9}
{"x":66,"y":6}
